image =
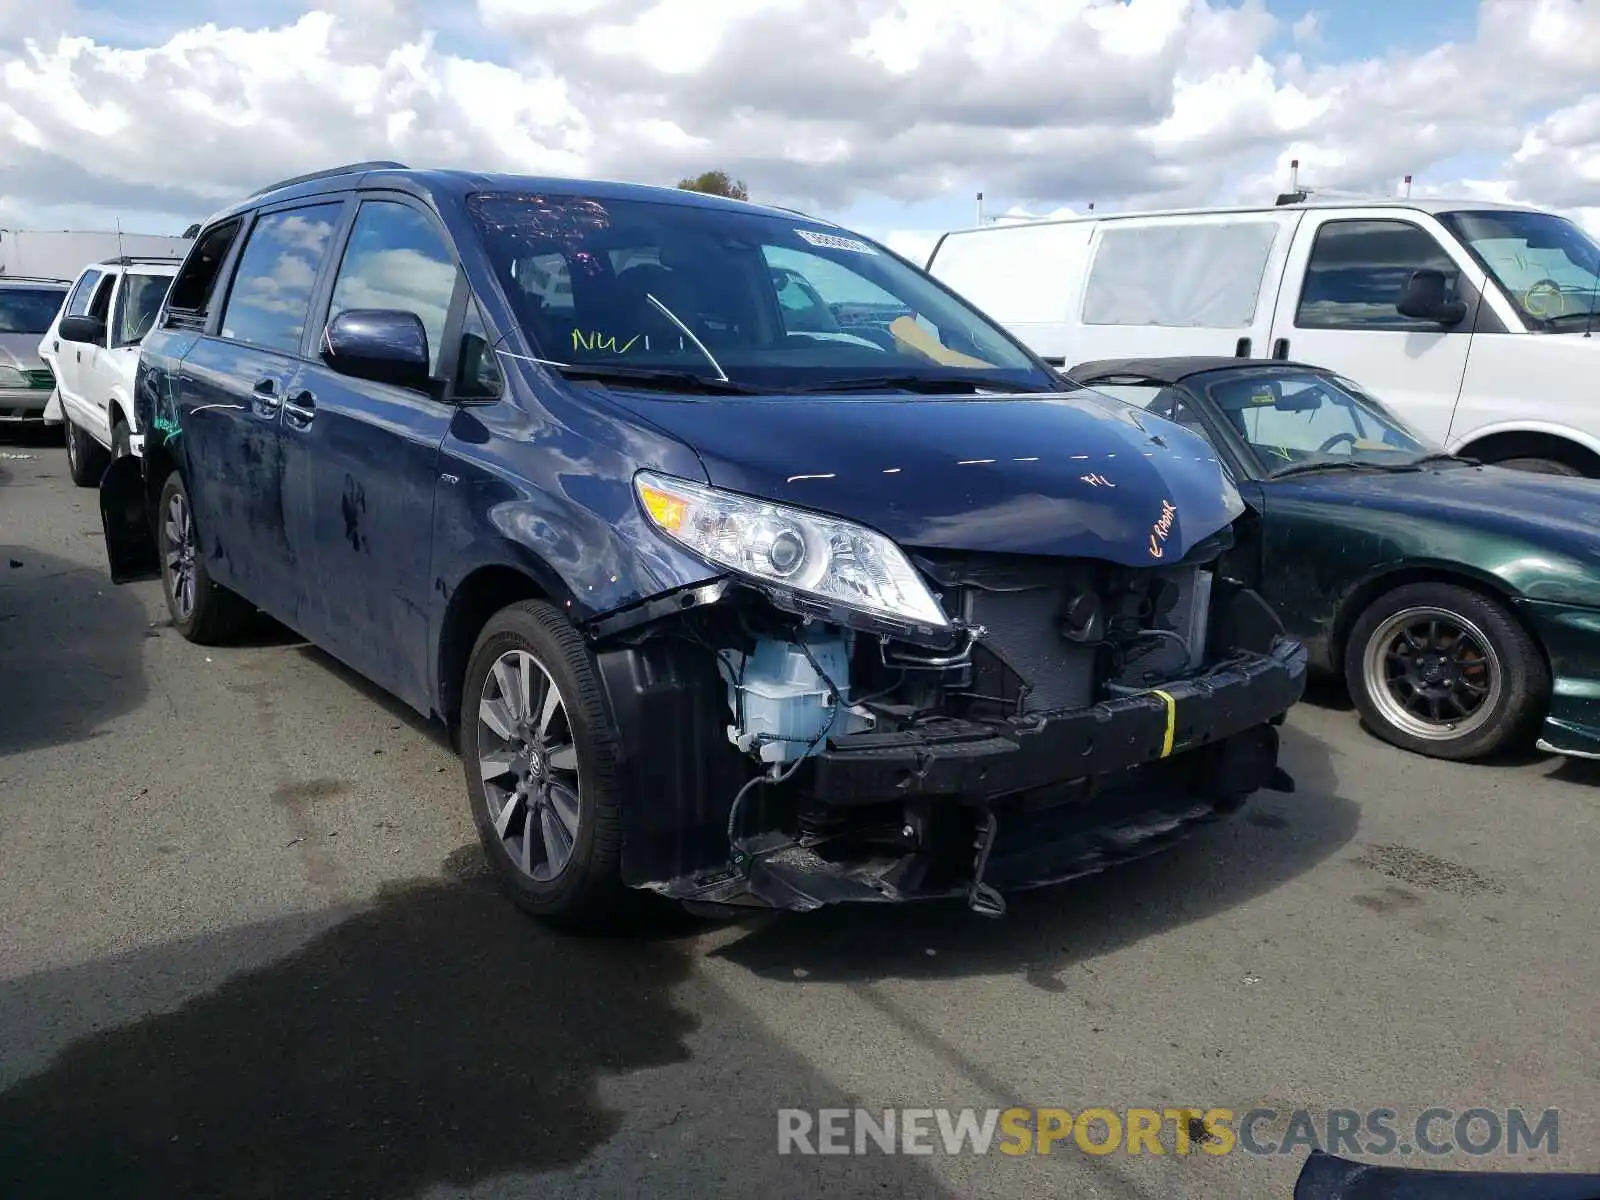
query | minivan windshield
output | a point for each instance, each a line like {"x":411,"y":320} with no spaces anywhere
{"x":29,"y":310}
{"x":753,"y":301}
{"x":1547,"y":265}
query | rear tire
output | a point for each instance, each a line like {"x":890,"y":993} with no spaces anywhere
{"x":544,"y":777}
{"x":1539,"y":466}
{"x":202,"y":610}
{"x":87,"y":459}
{"x":1419,"y":645}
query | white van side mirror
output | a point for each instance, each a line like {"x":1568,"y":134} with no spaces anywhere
{"x":1426,"y":297}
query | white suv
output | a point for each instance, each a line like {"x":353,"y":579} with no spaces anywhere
{"x":93,"y":349}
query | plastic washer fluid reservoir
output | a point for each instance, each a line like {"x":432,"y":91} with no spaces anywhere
{"x":784,"y":705}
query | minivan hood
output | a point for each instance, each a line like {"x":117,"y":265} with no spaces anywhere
{"x":20,"y":350}
{"x":1066,"y":474}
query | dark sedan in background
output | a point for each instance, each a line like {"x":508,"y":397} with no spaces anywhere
{"x":1461,"y":603}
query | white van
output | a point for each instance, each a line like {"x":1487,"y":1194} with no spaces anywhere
{"x":1471,"y":319}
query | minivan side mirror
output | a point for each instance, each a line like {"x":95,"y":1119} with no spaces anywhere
{"x":83,"y":329}
{"x":1425,"y":297}
{"x":381,"y":344}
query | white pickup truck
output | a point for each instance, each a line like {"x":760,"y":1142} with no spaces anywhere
{"x":93,"y":348}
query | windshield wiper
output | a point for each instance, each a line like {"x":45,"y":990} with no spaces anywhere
{"x":684,"y":381}
{"x":930,"y":384}
{"x":1580,"y":319}
{"x":1441,"y":456}
{"x":1306,"y":468}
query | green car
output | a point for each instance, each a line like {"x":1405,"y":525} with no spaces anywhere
{"x":1461,"y":603}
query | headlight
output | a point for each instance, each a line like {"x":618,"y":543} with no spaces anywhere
{"x":790,"y":548}
{"x":10,"y":377}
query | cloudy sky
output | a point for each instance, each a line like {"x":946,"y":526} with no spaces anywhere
{"x":886,"y":115}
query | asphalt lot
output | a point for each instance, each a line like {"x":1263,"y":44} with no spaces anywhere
{"x":249,"y":952}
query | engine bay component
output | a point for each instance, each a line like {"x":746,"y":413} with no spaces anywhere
{"x":789,"y":696}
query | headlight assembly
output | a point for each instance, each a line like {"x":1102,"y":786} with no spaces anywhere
{"x":807,"y":553}
{"x":10,"y":377}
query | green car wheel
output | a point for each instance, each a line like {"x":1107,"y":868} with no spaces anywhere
{"x":1441,"y":670}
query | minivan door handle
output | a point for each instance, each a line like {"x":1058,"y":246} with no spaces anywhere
{"x":264,"y":398}
{"x":1280,"y":348}
{"x":298,"y":409}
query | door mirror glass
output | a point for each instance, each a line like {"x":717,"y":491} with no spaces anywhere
{"x":380,"y":344}
{"x":1426,"y":297}
{"x":83,"y":329}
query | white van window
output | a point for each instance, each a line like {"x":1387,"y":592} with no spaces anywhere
{"x":1356,"y":272}
{"x":1204,"y":275}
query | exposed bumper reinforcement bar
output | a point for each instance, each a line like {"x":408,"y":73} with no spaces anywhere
{"x":980,"y":760}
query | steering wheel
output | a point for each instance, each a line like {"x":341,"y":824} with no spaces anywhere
{"x":1345,"y":436}
{"x":1534,"y":298}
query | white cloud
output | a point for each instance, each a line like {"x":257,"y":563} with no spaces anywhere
{"x":1038,"y":103}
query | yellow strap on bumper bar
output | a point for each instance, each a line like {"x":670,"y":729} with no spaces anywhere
{"x":1172,"y":720}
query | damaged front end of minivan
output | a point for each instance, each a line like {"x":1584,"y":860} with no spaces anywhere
{"x":849,"y":720}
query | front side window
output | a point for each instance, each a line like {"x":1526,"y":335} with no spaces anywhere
{"x":1159,"y":401}
{"x":100,"y":306}
{"x":1547,"y":265}
{"x":271,"y":292}
{"x":770,"y":301}
{"x":29,"y":310}
{"x":1295,"y":417}
{"x":397,"y":259}
{"x":137,"y":306}
{"x":1358,"y":269}
{"x":83,"y":294}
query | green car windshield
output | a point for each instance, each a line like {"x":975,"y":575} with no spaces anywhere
{"x":1294,"y":418}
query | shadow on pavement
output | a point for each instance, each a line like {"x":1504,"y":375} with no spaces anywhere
{"x":71,"y":649}
{"x":435,"y":1038}
{"x":390,"y":703}
{"x":1272,"y":840}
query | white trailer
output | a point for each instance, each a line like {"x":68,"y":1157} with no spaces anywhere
{"x":53,"y":254}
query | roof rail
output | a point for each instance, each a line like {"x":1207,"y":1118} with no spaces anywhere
{"x":127,"y":260}
{"x":6,"y":276}
{"x":331,"y":172}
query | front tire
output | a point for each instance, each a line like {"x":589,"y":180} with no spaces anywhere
{"x":541,"y":756}
{"x":87,"y":459}
{"x":1443,"y":671}
{"x":201,"y":609}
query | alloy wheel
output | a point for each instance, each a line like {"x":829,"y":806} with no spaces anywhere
{"x":529,"y":764}
{"x":180,"y":553}
{"x":1433,"y":673}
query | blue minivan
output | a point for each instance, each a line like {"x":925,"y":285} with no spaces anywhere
{"x":747,"y":564}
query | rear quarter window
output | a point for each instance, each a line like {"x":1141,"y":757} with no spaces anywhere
{"x":1182,"y":275}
